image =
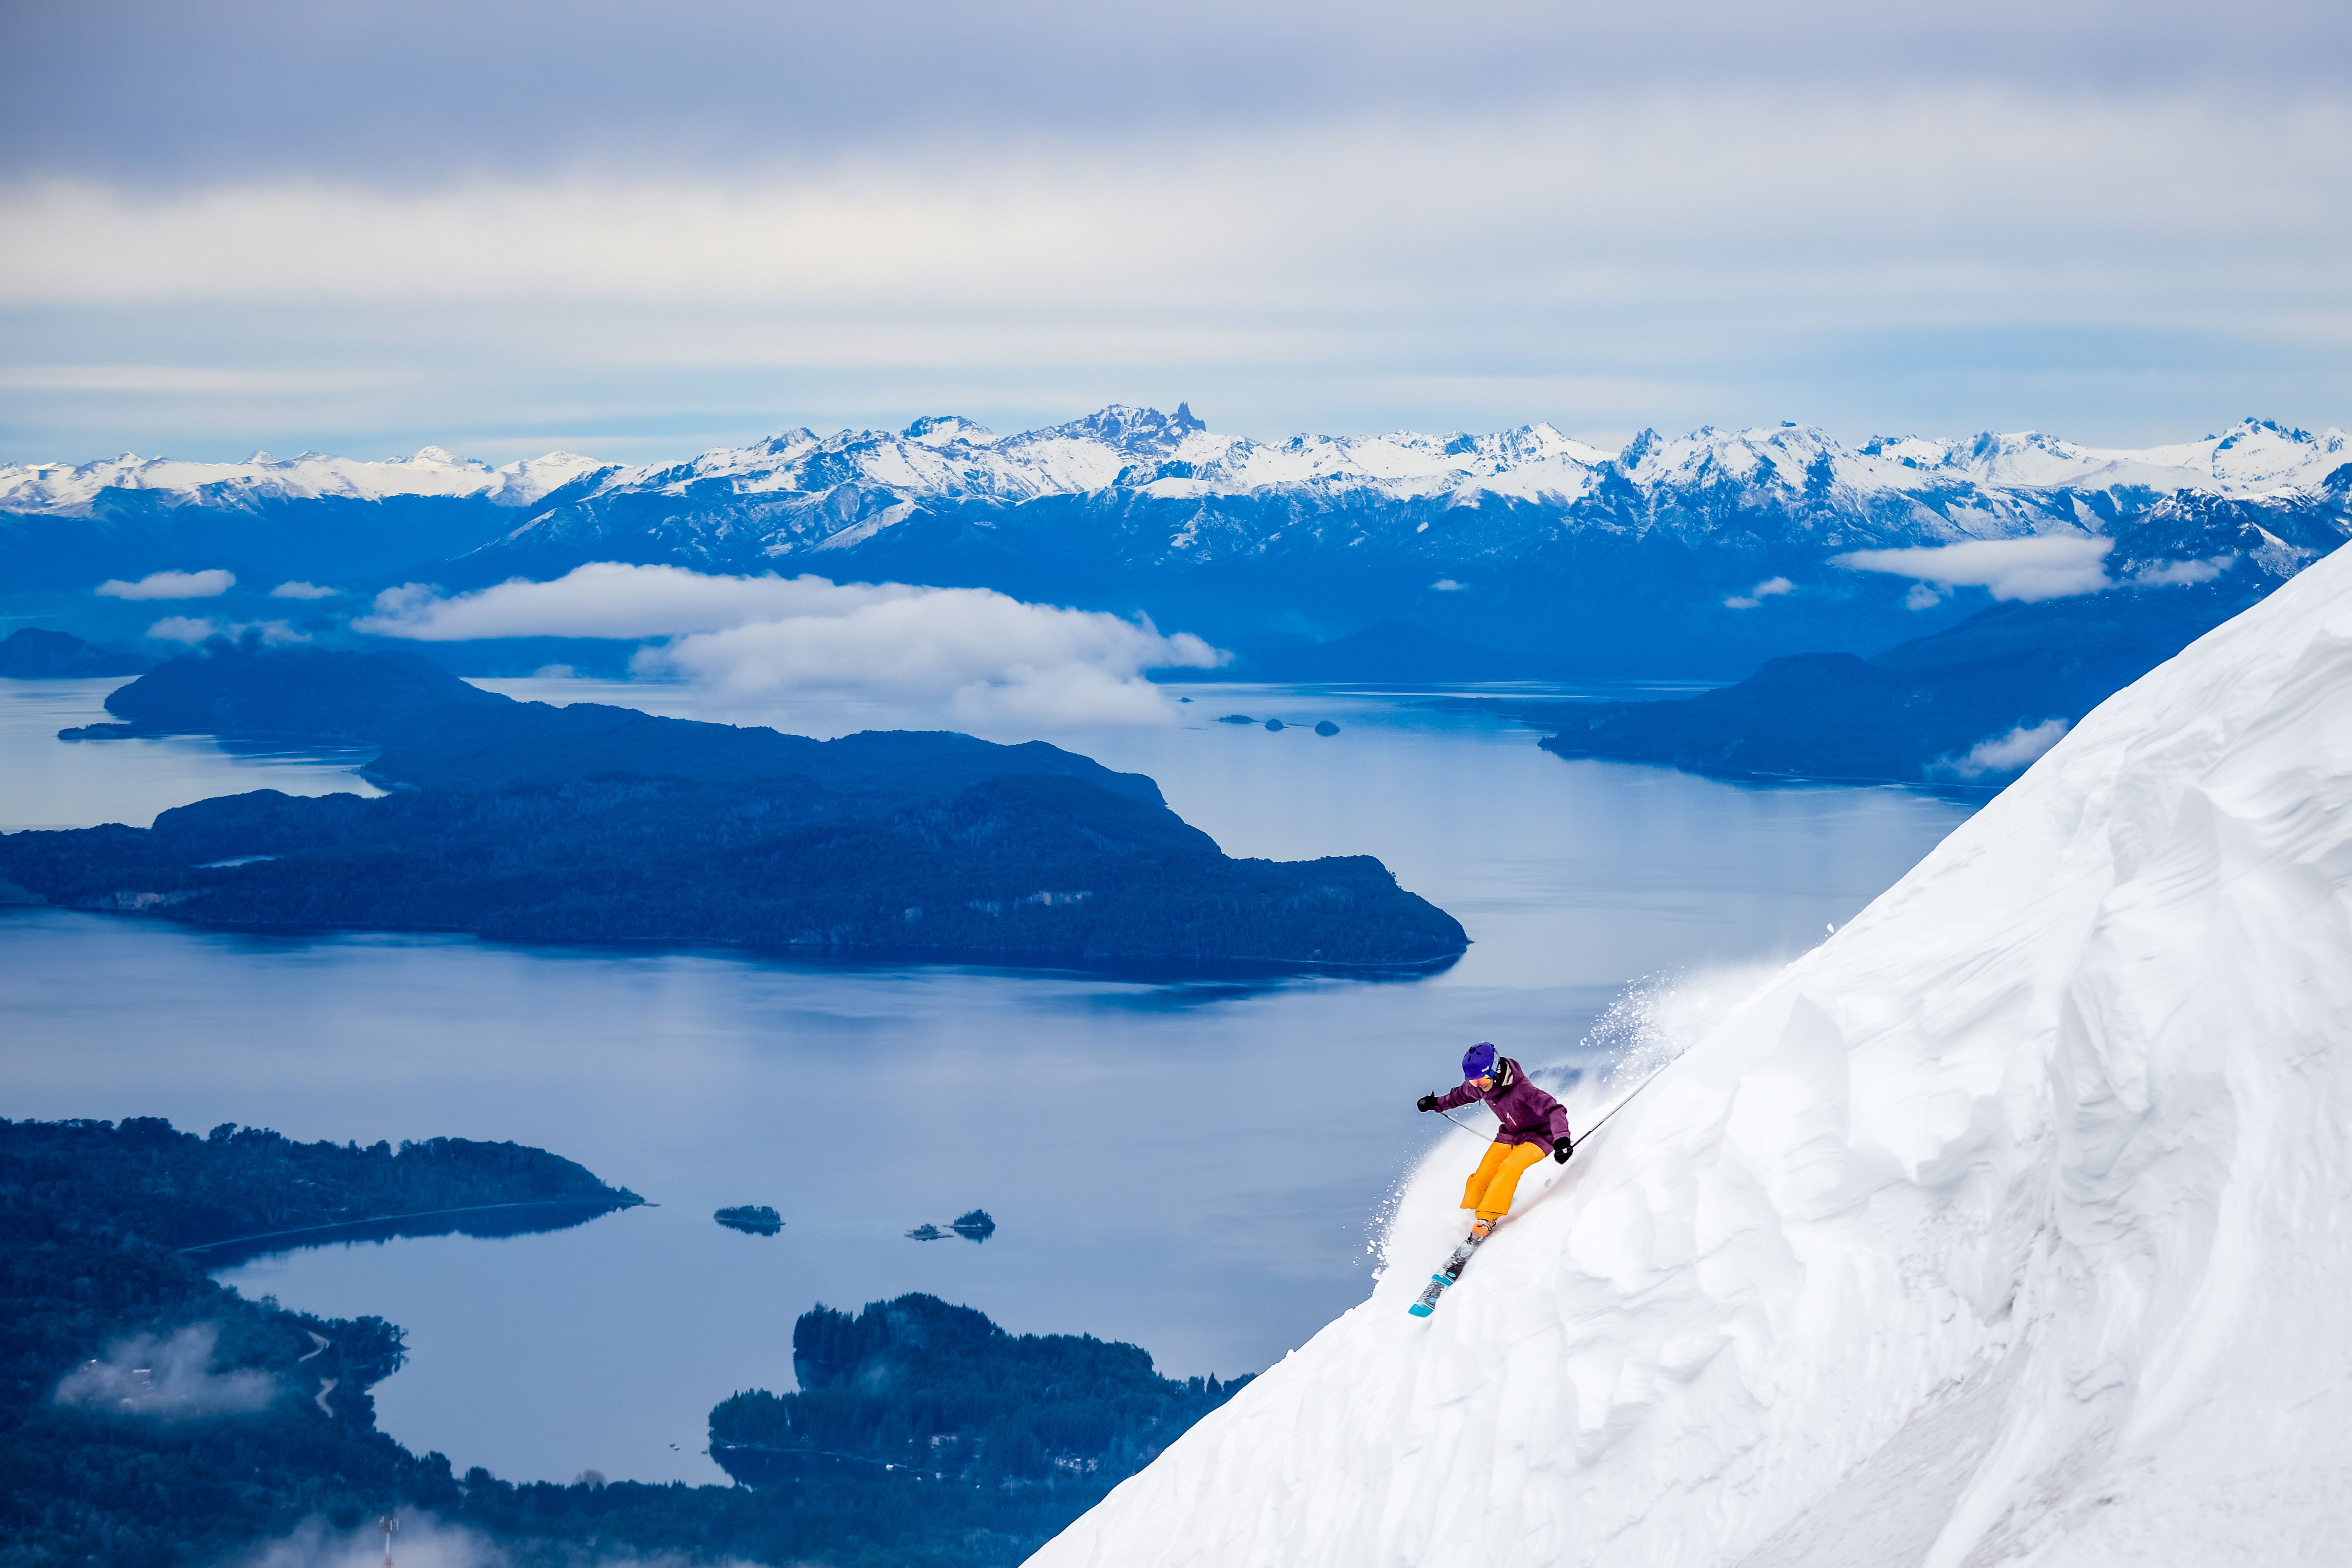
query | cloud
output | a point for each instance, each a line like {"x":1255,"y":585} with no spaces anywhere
{"x":1259,"y":269}
{"x":2004,"y":753}
{"x":304,"y":591}
{"x":209,"y":584}
{"x":1447,"y":586}
{"x":421,"y":1541}
{"x":2161,"y":573}
{"x":169,"y":1380}
{"x":425,"y":1541}
{"x":191,"y":93}
{"x":1758,"y":593}
{"x":986,"y":658}
{"x":2031,"y":570}
{"x":197,"y":629}
{"x":609,"y":599}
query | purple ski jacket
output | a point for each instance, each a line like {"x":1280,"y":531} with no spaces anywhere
{"x":1528,"y":1115}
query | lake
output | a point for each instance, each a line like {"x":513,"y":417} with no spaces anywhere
{"x":1197,"y":1166}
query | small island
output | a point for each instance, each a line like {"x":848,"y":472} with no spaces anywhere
{"x":754,"y":1219}
{"x":593,"y":824}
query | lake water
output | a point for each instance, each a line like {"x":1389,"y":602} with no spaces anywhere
{"x":1196,"y":1167}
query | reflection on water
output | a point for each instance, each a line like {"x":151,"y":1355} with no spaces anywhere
{"x":482,"y":1220}
{"x":81,"y":783}
{"x":1190,"y":1165}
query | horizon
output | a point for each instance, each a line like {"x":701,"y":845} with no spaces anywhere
{"x":1612,"y":443}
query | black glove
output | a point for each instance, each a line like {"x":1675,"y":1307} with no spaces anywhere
{"x":1426,"y":1103}
{"x":1560,"y":1148}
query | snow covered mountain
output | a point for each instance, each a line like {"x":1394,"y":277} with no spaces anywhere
{"x":1525,"y":537}
{"x":2006,"y":1227}
{"x":1645,"y":560}
{"x":799,"y":492}
{"x":944,"y":458}
{"x":73,"y":490}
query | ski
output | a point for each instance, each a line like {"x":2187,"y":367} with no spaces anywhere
{"x":1451,"y":1272}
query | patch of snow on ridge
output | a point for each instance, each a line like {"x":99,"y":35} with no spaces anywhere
{"x":70,"y":488}
{"x":2004,"y":1228}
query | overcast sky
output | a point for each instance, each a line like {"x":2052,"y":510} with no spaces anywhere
{"x":641,"y":230}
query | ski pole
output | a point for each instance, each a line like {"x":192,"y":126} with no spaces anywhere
{"x":1629,"y":1099}
{"x":1464,"y":1125}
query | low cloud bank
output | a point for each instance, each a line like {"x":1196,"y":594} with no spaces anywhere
{"x":166,"y":1379}
{"x":2029,"y":570}
{"x":201,"y":628}
{"x":984,"y":657}
{"x":209,"y":584}
{"x":2165,"y":573}
{"x":1758,"y":593}
{"x":423,"y":1541}
{"x":300,"y":590}
{"x":2005,"y":754}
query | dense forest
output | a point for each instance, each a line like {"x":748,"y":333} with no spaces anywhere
{"x":939,"y":1391}
{"x":149,"y":1416}
{"x":588,"y":824}
{"x":247,"y":1185}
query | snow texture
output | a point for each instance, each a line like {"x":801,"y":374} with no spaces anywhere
{"x":2006,"y":1227}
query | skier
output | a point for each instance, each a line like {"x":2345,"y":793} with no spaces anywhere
{"x":1534,"y":1125}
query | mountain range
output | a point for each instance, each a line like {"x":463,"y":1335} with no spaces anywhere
{"x":1702,"y":554}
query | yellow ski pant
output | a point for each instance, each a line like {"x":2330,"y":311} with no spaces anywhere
{"x":1491,"y":1186}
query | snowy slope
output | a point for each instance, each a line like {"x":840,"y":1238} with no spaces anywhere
{"x":68,"y":490}
{"x":2012,"y":1224}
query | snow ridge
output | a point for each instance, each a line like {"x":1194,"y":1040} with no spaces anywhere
{"x":70,"y":490}
{"x":2004,"y":1228}
{"x":1176,"y":457}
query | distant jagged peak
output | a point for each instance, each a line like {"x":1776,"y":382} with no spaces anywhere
{"x":437,"y":457}
{"x":2253,"y":457}
{"x":1783,"y":455}
{"x":946,"y":429}
{"x":1126,"y":428}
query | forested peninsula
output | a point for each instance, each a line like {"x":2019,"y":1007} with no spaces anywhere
{"x":591,"y":823}
{"x":1965,"y":710}
{"x":150,"y":1416}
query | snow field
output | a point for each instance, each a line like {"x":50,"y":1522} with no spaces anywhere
{"x":2012,"y":1224}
